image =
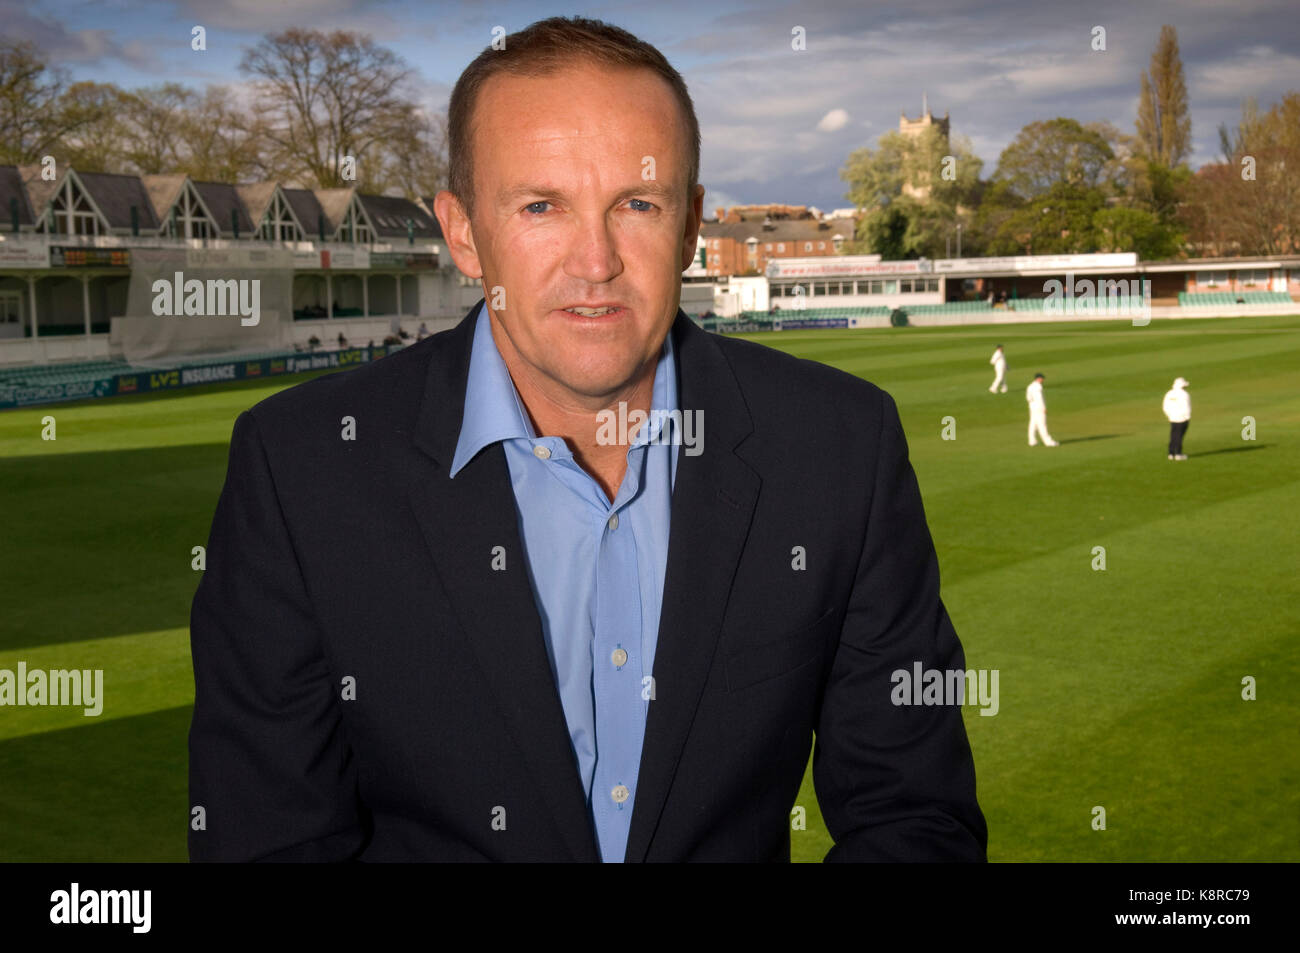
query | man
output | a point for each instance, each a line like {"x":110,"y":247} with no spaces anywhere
{"x":999,"y":362}
{"x":1038,"y":413}
{"x":472,"y":625}
{"x":1178,"y":408}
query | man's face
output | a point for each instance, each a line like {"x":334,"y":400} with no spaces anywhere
{"x":580,"y":201}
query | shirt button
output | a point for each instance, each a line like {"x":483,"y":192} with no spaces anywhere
{"x":541,"y":453}
{"x":620,"y":794}
{"x":619,"y":657}
{"x":613,"y":521}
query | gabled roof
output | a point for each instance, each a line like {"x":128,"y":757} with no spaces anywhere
{"x":39,"y":191}
{"x":114,"y":195}
{"x":11,"y":187}
{"x":163,"y":191}
{"x":308,"y":210}
{"x":388,"y":215}
{"x":257,"y":199}
{"x":334,"y":203}
{"x":221,"y":199}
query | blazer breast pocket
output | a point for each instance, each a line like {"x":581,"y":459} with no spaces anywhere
{"x":772,"y":658}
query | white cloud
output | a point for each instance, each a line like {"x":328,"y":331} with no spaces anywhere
{"x":833,"y":121}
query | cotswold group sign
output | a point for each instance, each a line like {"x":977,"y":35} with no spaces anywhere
{"x":19,"y":252}
{"x":19,"y":395}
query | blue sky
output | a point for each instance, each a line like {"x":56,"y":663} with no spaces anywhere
{"x":777,"y":124}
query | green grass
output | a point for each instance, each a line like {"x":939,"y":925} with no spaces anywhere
{"x":1119,"y":689}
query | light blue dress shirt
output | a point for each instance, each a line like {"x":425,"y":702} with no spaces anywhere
{"x":597,"y":571}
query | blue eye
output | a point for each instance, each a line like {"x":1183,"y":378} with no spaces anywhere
{"x":530,"y":205}
{"x":647,"y":205}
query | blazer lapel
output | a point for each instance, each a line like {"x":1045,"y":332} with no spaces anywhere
{"x":463,"y":521}
{"x":712,"y":505}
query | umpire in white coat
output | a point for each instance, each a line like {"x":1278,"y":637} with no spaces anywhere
{"x":1178,"y":408}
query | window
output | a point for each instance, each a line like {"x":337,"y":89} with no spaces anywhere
{"x":905,"y":286}
{"x":278,"y":223}
{"x":807,"y":246}
{"x":187,"y":219}
{"x":353,"y":228}
{"x":767,"y":247}
{"x":1250,"y":279}
{"x":1210,"y":279}
{"x":780,"y":248}
{"x":11,"y":307}
{"x":70,"y":212}
{"x":821,"y":246}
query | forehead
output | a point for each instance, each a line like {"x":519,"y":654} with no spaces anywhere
{"x":582,"y":111}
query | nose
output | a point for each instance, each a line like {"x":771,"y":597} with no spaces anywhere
{"x":593,"y":250}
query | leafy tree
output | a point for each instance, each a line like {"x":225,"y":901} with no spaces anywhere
{"x":1120,"y":228}
{"x":1052,"y":153}
{"x":883,"y":232}
{"x":1250,"y":204}
{"x":916,"y":190}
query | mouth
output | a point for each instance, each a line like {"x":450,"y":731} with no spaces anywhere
{"x":595,"y":312}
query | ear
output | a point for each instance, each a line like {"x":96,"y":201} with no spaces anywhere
{"x":694,"y":217}
{"x":457,"y":233}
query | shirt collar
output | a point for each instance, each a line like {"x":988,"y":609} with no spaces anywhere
{"x":493,"y":410}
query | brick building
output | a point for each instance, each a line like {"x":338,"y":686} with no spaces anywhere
{"x":744,"y":238}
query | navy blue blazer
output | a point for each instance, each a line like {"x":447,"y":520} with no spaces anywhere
{"x":368,"y":687}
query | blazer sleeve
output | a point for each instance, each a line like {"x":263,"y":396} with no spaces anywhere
{"x":895,"y":782}
{"x":269,"y":762}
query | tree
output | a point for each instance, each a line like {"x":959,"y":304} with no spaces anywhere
{"x":34,"y":116}
{"x":154,"y":120}
{"x":876,"y":177}
{"x":883,"y":232}
{"x":92,"y":140}
{"x":328,"y":96}
{"x":1050,"y":182}
{"x":1250,"y":204}
{"x":915,"y":190}
{"x":223,"y":143}
{"x":415,"y":162}
{"x":1120,"y":228}
{"x":1055,"y":152}
{"x":1057,"y":221}
{"x":1164,"y":127}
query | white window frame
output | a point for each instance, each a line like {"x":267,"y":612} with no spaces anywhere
{"x":70,"y":212}
{"x":278,"y":223}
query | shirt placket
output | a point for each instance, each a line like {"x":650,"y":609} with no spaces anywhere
{"x":616,"y":678}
